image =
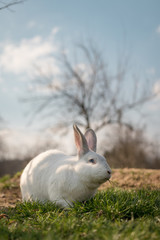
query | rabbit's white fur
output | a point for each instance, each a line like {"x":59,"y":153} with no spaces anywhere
{"x":63,"y":179}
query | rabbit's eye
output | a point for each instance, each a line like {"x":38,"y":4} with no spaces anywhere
{"x":92,"y":161}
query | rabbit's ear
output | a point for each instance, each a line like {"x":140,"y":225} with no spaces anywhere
{"x":80,"y":141}
{"x":91,"y":139}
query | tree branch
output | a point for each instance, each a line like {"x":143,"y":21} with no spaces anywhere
{"x":10,"y":4}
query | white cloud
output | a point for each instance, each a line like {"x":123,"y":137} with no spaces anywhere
{"x":34,"y":25}
{"x":21,"y":58}
{"x":33,"y":141}
{"x":158,"y":29}
{"x":4,"y":89}
{"x":1,"y":79}
{"x":31,"y":24}
{"x":156,"y":87}
{"x":154,"y":105}
{"x":55,"y":30}
{"x":151,"y":71}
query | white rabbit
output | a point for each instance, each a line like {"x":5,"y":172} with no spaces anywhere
{"x":63,"y":179}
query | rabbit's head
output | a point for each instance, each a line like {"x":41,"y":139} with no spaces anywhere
{"x":91,"y":167}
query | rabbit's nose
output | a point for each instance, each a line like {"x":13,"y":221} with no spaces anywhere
{"x":109,"y":172}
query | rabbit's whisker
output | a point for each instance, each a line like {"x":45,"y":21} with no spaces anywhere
{"x":112,"y":183}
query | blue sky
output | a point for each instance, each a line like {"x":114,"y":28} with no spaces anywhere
{"x":35,"y":29}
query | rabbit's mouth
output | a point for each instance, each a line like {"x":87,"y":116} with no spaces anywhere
{"x":103,"y":180}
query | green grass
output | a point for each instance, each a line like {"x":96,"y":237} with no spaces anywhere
{"x":9,"y":182}
{"x":114,"y":214}
{"x":5,"y":178}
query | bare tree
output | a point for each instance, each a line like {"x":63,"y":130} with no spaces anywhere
{"x":133,"y":149}
{"x":87,"y":93}
{"x":2,"y":141}
{"x":7,"y":4}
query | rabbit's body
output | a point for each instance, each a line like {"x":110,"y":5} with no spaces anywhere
{"x":52,"y":176}
{"x":63,"y":179}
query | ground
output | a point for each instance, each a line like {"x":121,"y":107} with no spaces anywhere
{"x":122,"y":178}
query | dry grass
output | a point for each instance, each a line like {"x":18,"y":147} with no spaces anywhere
{"x":132,"y":178}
